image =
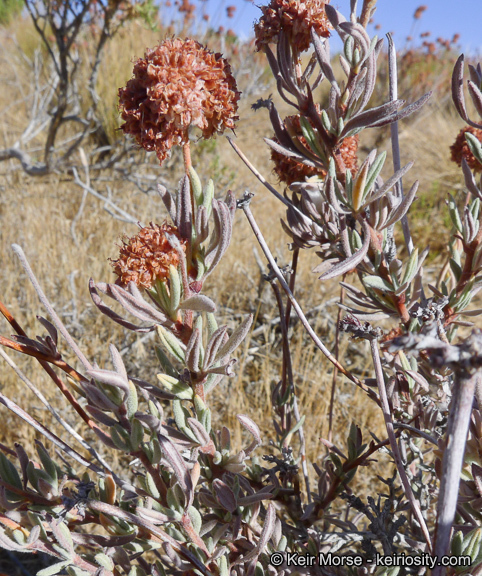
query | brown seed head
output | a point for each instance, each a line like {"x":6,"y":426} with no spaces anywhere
{"x":419,"y":11}
{"x":296,"y":18}
{"x":146,"y":257}
{"x":178,"y":85}
{"x":460,"y":149}
{"x":289,"y":170}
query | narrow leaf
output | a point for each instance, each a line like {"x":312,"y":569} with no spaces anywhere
{"x":198,"y":303}
{"x":236,"y":338}
{"x":177,"y":464}
{"x":352,"y":261}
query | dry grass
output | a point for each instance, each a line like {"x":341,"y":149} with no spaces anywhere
{"x":38,"y":215}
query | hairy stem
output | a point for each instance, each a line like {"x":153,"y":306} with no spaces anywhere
{"x":453,"y":459}
{"x":393,"y":441}
{"x":186,"y":154}
{"x":393,"y":87}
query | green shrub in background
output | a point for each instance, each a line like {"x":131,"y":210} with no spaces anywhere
{"x":9,"y":9}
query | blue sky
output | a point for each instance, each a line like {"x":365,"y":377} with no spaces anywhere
{"x":442,"y":18}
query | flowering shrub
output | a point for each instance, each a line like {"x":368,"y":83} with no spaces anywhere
{"x":189,"y":503}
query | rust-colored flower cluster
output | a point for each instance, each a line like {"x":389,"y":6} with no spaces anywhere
{"x":419,"y":11}
{"x":296,"y":18}
{"x":289,"y":170}
{"x":178,"y":85}
{"x":146,"y":257}
{"x":460,"y":149}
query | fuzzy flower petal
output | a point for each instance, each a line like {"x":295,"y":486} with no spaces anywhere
{"x":296,"y":18}
{"x":176,"y":86}
{"x":145,"y":258}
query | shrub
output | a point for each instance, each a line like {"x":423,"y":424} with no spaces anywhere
{"x":191,"y":503}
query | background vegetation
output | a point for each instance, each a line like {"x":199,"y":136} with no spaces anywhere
{"x":69,"y":235}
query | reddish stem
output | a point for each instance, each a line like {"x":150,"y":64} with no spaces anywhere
{"x":186,"y":152}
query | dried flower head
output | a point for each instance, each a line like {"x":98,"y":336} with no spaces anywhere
{"x":419,"y":11}
{"x":289,"y":170}
{"x":146,"y":257}
{"x":178,"y":85}
{"x":296,"y":18}
{"x":460,"y":149}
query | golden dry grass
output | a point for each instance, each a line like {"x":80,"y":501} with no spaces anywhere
{"x":37,"y":213}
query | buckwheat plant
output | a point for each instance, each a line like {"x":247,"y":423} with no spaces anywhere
{"x":184,"y":502}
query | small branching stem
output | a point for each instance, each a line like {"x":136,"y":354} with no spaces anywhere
{"x":348,"y":466}
{"x":393,"y":441}
{"x":41,"y":357}
{"x":244,"y":204}
{"x":60,"y":385}
{"x":49,"y":435}
{"x":47,"y":404}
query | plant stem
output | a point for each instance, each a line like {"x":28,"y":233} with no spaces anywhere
{"x":263,"y":181}
{"x":393,"y":89}
{"x":186,"y":153}
{"x":453,"y":459}
{"x":288,"y":375}
{"x":244,"y":204}
{"x":393,"y":441}
{"x":335,"y":369}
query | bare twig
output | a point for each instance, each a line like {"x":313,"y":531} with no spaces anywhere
{"x":30,"y":168}
{"x":49,"y":435}
{"x":117,"y":212}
